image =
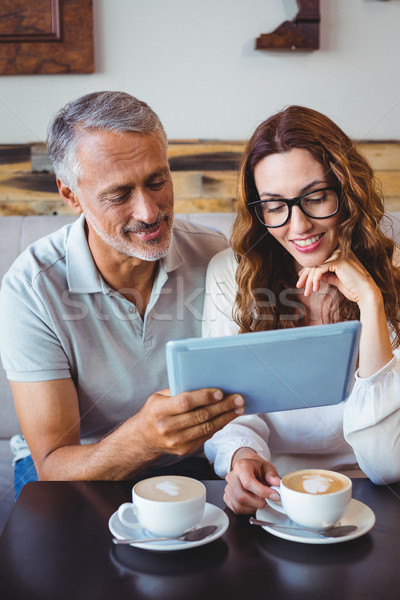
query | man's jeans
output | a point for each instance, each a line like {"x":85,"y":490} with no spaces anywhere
{"x":24,"y":471}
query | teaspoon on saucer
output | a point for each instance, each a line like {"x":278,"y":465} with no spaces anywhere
{"x":190,"y":536}
{"x":335,"y":531}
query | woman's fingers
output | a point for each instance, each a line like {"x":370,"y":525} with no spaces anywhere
{"x":248,"y":484}
{"x":349,"y":276}
{"x":310,"y":279}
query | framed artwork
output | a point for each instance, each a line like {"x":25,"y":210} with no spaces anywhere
{"x":46,"y":37}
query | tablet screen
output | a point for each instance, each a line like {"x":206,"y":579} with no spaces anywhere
{"x":274,"y":370}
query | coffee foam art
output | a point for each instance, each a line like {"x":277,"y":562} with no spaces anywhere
{"x":316,"y":484}
{"x":168,"y":487}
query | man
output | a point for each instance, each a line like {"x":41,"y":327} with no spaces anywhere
{"x":86,"y":311}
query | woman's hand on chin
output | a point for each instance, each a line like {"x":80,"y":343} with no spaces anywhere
{"x":347,"y":275}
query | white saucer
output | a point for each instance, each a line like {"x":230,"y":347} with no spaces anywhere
{"x":358,"y":514}
{"x":212,"y":516}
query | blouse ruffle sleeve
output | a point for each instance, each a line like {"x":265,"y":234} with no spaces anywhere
{"x":371,"y":422}
{"x":247,"y":431}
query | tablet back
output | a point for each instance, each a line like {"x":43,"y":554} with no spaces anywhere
{"x":274,"y":370}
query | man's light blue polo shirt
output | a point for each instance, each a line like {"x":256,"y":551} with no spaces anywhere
{"x":60,"y":319}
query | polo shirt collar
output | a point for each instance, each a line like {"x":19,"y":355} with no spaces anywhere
{"x":174,"y":258}
{"x":82,"y":273}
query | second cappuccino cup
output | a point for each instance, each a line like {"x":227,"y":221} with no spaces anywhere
{"x":315,"y":498}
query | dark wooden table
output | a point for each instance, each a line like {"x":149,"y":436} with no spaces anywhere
{"x":56,"y":545}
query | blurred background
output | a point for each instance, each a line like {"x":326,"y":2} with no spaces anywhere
{"x":195,"y":63}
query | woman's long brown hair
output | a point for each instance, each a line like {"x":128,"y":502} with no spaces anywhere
{"x":266,"y":274}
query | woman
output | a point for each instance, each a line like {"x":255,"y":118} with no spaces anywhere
{"x":308,"y":248}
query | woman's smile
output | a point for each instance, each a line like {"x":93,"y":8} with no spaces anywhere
{"x":308,"y":244}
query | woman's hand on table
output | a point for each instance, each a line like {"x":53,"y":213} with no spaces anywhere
{"x":248,"y":482}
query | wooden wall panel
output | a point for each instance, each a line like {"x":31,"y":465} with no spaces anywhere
{"x":204,"y":176}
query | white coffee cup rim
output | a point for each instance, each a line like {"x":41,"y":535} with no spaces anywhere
{"x":347,"y":479}
{"x":170,"y":501}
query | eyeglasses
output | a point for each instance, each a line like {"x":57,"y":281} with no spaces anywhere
{"x":318,"y":204}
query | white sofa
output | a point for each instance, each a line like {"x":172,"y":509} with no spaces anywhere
{"x":16,"y":233}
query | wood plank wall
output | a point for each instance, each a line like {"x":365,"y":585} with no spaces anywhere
{"x":204,"y":175}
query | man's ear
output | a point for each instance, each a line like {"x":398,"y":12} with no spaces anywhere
{"x":69,"y":197}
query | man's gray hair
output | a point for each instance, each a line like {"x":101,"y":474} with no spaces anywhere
{"x":99,"y":111}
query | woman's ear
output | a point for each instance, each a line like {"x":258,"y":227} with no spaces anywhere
{"x":69,"y":197}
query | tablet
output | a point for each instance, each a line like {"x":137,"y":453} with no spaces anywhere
{"x":274,"y":370}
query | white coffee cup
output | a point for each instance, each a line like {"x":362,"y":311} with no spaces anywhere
{"x":315,"y":498}
{"x":166,"y":505}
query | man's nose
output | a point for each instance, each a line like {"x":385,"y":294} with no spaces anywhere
{"x":144,"y":208}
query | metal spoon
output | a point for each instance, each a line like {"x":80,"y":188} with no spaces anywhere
{"x":335,"y":531}
{"x":190,"y":536}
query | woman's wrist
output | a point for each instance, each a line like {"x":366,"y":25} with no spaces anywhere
{"x":244,"y":452}
{"x":371,"y":302}
{"x":375,"y":346}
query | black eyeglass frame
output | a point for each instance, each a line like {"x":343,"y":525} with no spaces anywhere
{"x":290,"y":202}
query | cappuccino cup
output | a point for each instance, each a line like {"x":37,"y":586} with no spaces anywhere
{"x":166,"y":505}
{"x":314,"y":498}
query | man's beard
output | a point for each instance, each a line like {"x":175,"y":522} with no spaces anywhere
{"x":151,"y":250}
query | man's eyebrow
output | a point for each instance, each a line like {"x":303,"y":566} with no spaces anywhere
{"x":309,"y":187}
{"x":159,"y":172}
{"x":113,"y":190}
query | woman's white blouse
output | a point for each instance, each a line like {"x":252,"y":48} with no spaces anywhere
{"x":362,"y":432}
